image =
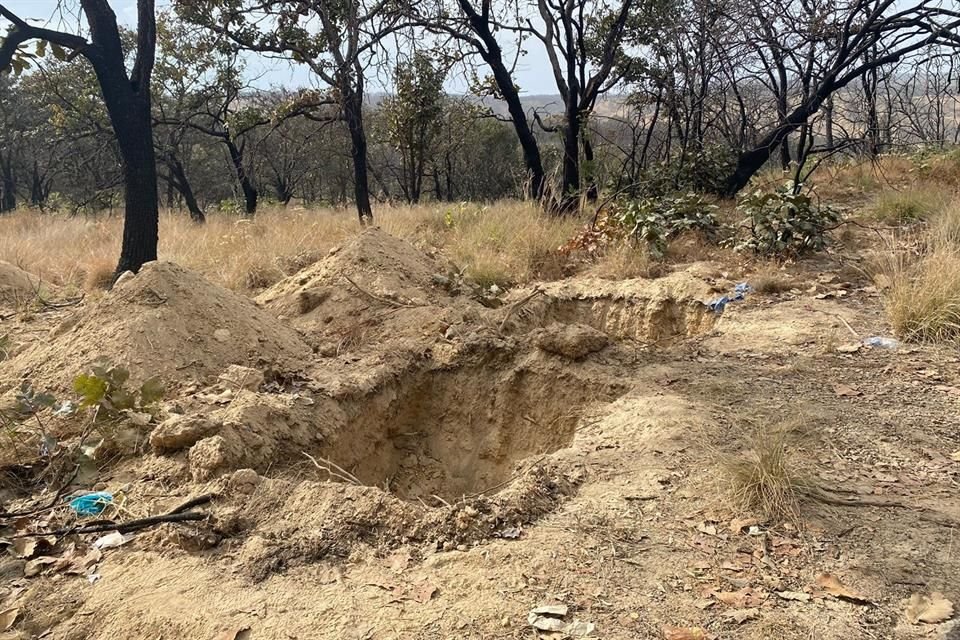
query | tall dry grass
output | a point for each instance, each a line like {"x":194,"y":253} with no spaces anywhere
{"x":920,"y":280}
{"x":505,"y":243}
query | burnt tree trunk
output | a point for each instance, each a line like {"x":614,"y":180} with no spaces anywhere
{"x":178,"y":181}
{"x":353,"y":114}
{"x":250,"y":193}
{"x":8,"y":184}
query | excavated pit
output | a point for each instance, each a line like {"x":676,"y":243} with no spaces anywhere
{"x":461,"y":432}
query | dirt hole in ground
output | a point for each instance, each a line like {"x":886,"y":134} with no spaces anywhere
{"x":442,"y":435}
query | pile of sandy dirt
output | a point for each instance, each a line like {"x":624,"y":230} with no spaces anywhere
{"x":16,"y":284}
{"x":375,"y":291}
{"x":166,"y":321}
{"x":649,"y":311}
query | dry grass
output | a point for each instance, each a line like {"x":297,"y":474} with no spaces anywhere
{"x":920,"y":202}
{"x":506,"y":243}
{"x":767,"y":480}
{"x":920,"y":280}
{"x":922,"y":294}
{"x":626,"y":261}
{"x":771,"y":281}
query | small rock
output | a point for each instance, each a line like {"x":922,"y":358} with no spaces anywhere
{"x":124,"y":278}
{"x":221,"y":335}
{"x":209,"y":456}
{"x":574,"y":341}
{"x":244,"y":481}
{"x":240,"y":377}
{"x":179,"y":432}
{"x":440,"y":280}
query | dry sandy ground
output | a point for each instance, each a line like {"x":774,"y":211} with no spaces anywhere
{"x":569,"y":447}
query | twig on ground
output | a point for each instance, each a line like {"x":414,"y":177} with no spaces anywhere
{"x":516,"y":305}
{"x":53,"y":501}
{"x":178,"y":514}
{"x":336,"y":470}
{"x":387,"y":301}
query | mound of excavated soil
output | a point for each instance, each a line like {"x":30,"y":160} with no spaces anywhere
{"x":673,"y":306}
{"x":16,"y":284}
{"x":376,"y":289}
{"x":166,"y":321}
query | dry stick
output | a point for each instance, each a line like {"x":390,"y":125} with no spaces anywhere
{"x":53,"y":501}
{"x":820,"y":495}
{"x":343,"y":473}
{"x":387,"y":301}
{"x":516,"y":305}
{"x":179,"y":514}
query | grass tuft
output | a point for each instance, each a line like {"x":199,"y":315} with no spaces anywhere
{"x":766,"y":480}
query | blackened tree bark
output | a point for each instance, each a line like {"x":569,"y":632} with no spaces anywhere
{"x":8,"y":183}
{"x":176,"y":178}
{"x":127,"y":98}
{"x":250,"y":193}
{"x":353,"y":114}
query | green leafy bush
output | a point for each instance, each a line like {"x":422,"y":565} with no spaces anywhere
{"x":105,"y":387}
{"x":655,"y":221}
{"x":787,"y":221}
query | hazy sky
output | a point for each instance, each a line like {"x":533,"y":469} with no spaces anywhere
{"x":532,"y":75}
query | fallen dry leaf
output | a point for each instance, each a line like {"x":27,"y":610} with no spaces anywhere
{"x":24,"y":547}
{"x":955,"y":456}
{"x":740,"y":616}
{"x":739,"y":524}
{"x":739,"y":599}
{"x":684,"y":633}
{"x":420,"y":593}
{"x":931,"y":608}
{"x":852,"y":347}
{"x":846,"y":390}
{"x":37,"y":565}
{"x":831,"y":585}
{"x":237,"y":633}
{"x":797,"y":596}
{"x":8,"y":617}
{"x":707,"y":528}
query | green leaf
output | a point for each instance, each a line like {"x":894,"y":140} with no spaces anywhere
{"x":151,"y":391}
{"x":120,"y":399}
{"x":92,"y":389}
{"x":58,"y":52}
{"x":41,"y":48}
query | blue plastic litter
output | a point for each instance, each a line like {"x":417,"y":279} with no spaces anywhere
{"x":91,"y":504}
{"x":739,"y":293}
{"x":880,"y":341}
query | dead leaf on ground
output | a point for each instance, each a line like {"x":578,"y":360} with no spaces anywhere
{"x":846,"y":390}
{"x":931,"y":608}
{"x":741,"y":599}
{"x":831,"y":585}
{"x":797,"y":596}
{"x":37,"y":565}
{"x":739,"y":524}
{"x":8,"y":617}
{"x":684,"y":633}
{"x":24,"y":547}
{"x":237,"y":633}
{"x":955,"y":456}
{"x":740,"y":616}
{"x":707,"y":528}
{"x":420,"y":593}
{"x":851,"y":347}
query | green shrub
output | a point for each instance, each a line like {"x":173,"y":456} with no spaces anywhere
{"x":655,"y":221}
{"x":786,"y":221}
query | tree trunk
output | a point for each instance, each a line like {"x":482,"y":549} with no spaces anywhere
{"x":134,"y":129}
{"x":38,"y":193}
{"x":179,"y":181}
{"x":8,"y":184}
{"x":493,"y":56}
{"x":570,"y":187}
{"x":353,"y":113}
{"x":250,"y":193}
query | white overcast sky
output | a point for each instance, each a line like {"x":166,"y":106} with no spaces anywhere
{"x":532,"y":73}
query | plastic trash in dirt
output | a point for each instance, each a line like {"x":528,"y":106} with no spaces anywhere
{"x":881,"y":342}
{"x":739,"y":293}
{"x":91,"y":504}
